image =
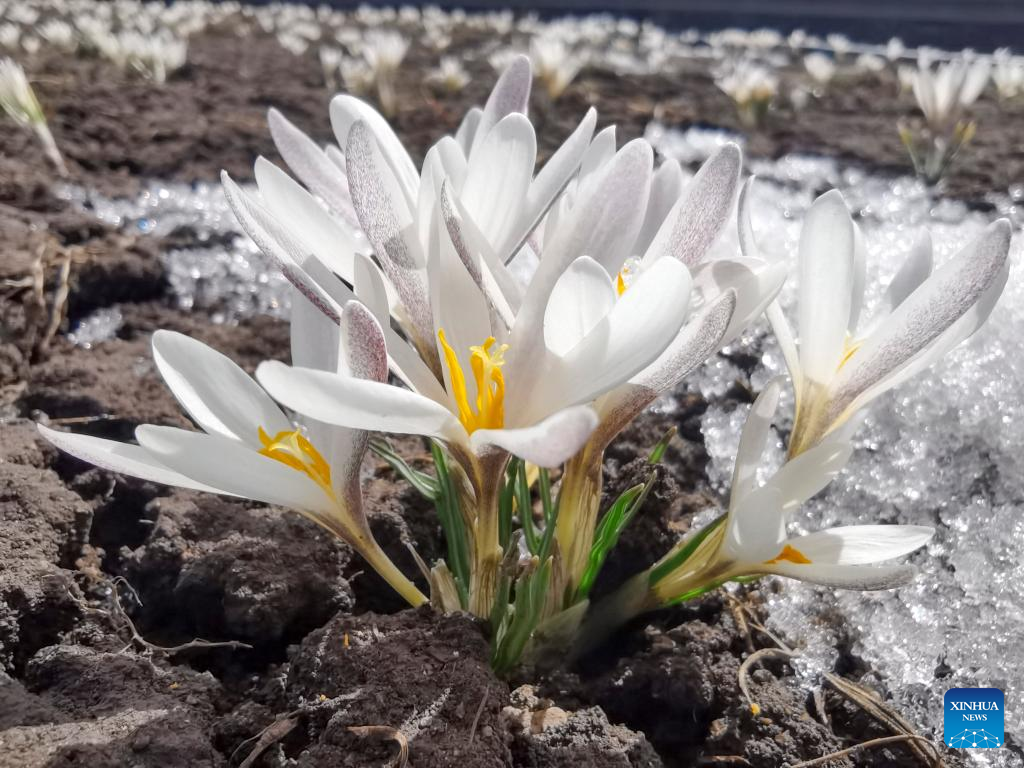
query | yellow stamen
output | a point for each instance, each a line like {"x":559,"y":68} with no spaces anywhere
{"x":848,"y":352}
{"x":790,"y":555}
{"x":490,"y":384}
{"x":294,"y":450}
{"x":626,"y":275}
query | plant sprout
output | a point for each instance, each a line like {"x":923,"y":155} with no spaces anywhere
{"x":519,"y":320}
{"x":20,"y":103}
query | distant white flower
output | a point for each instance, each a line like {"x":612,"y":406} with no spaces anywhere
{"x":59,"y":34}
{"x":840,"y":44}
{"x":450,"y":76}
{"x":751,"y":86}
{"x":555,"y":64}
{"x":19,"y":101}
{"x":869,"y":63}
{"x":330,"y":63}
{"x":1008,"y":74}
{"x":895,"y":49}
{"x":944,"y":93}
{"x":821,"y":67}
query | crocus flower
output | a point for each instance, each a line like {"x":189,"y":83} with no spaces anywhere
{"x":727,"y":296}
{"x":19,"y":101}
{"x":247,"y":446}
{"x":499,"y":366}
{"x":379,"y":203}
{"x":840,"y":363}
{"x":943,"y":93}
{"x":752,"y":539}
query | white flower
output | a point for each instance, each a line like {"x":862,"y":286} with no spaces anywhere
{"x":820,"y":67}
{"x":894,"y":49}
{"x":869,"y":63}
{"x":943,"y":94}
{"x":1008,"y":74}
{"x":450,"y":75}
{"x":384,"y":52}
{"x":247,"y":446}
{"x":842,"y":362}
{"x":16,"y":95}
{"x":555,"y":63}
{"x":681,"y":223}
{"x":19,"y":101}
{"x":753,"y":540}
{"x":751,"y":85}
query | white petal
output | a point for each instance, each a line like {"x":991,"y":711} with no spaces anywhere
{"x":547,"y":444}
{"x":756,"y":284}
{"x":641,"y":325}
{"x":861,"y":544}
{"x":598,"y":154}
{"x":358,"y":404}
{"x":331,"y":242}
{"x":745,"y":224}
{"x":370,"y":288}
{"x":699,"y":338}
{"x":959,"y":331}
{"x":467,"y":129}
{"x":802,"y":477}
{"x":220,"y":397}
{"x":753,"y":440}
{"x":860,"y":260}
{"x":756,"y":527}
{"x":314,"y":336}
{"x":784,"y":336}
{"x":480,"y":260}
{"x":311,"y":165}
{"x":279,"y":245}
{"x":459,"y":307}
{"x":123,"y":458}
{"x":826,"y":283}
{"x":386,"y":219}
{"x":510,"y":94}
{"x":581,"y":298}
{"x":235,"y":468}
{"x":936,"y":305}
{"x":859,"y":577}
{"x":362,"y":342}
{"x":914,"y":271}
{"x":666,"y":189}
{"x":702,"y":211}
{"x":498,"y":178}
{"x":604,"y":224}
{"x":553,"y":178}
{"x":348,"y":110}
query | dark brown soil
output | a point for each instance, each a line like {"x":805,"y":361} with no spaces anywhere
{"x":83,"y":551}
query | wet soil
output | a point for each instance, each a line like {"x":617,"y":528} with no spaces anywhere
{"x":105,"y":580}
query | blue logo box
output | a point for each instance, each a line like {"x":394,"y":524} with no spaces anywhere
{"x":974,"y":718}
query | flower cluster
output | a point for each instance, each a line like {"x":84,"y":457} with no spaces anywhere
{"x":519,"y":320}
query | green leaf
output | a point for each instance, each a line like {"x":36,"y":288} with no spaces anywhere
{"x":610,"y":529}
{"x":658,"y":452}
{"x":452,"y":523}
{"x":666,"y":567}
{"x":421,"y":481}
